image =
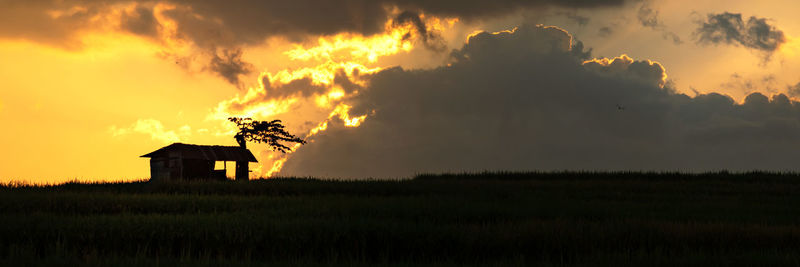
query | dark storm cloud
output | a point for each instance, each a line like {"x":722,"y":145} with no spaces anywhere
{"x":414,"y":19}
{"x":605,"y":31}
{"x":524,"y":101}
{"x":36,"y":21}
{"x":794,"y":90}
{"x":765,"y":83}
{"x":648,"y":17}
{"x":730,"y":28}
{"x":229,"y":65}
{"x":234,"y":23}
{"x":573,"y":16}
{"x":304,"y":87}
{"x":579,"y":52}
{"x":141,"y":21}
{"x":430,"y":39}
{"x":250,"y":21}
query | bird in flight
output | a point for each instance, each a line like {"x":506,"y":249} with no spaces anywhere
{"x":619,"y":107}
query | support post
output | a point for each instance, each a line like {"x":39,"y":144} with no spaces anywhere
{"x":242,"y":171}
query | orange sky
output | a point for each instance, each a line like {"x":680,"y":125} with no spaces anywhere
{"x":88,"y":113}
{"x":96,"y":109}
{"x":63,"y":103}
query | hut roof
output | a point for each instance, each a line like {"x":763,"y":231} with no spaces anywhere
{"x":215,"y":153}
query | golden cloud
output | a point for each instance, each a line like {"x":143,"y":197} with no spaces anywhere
{"x":155,"y":129}
{"x":335,"y":68}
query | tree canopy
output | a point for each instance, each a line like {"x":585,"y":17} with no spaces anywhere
{"x":270,"y":132}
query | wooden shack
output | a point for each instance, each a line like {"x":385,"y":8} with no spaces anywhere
{"x":180,"y":161}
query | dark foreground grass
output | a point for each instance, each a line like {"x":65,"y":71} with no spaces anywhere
{"x":500,"y":219}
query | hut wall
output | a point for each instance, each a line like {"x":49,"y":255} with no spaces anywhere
{"x":190,"y":162}
{"x":162,"y":169}
{"x":194,"y":169}
{"x":159,"y":169}
{"x":175,"y":169}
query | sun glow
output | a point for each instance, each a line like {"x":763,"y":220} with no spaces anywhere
{"x":791,"y":48}
{"x":249,"y":107}
{"x":355,"y":47}
{"x":342,"y":112}
{"x":325,"y":100}
{"x":345,"y":55}
{"x":322,"y":74}
{"x":621,"y":63}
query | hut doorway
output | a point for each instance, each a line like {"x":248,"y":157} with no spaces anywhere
{"x":224,"y":170}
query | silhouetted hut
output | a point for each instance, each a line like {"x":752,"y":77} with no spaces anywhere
{"x":193,"y":162}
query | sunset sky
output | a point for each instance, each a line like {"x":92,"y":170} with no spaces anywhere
{"x":393,"y":88}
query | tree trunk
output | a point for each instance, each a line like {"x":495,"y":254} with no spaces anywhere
{"x":241,"y":141}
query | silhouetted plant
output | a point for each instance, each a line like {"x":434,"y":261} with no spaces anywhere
{"x":270,"y":132}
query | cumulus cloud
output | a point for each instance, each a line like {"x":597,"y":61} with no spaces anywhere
{"x":730,"y":28}
{"x":523,"y":100}
{"x":648,"y":17}
{"x":155,"y":129}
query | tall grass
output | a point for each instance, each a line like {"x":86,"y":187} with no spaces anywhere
{"x":450,"y":219}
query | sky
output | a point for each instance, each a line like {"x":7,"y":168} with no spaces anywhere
{"x":394,"y":88}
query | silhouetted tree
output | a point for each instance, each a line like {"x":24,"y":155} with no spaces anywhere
{"x":270,"y":132}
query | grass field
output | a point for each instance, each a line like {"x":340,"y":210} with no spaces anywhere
{"x":500,"y":219}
